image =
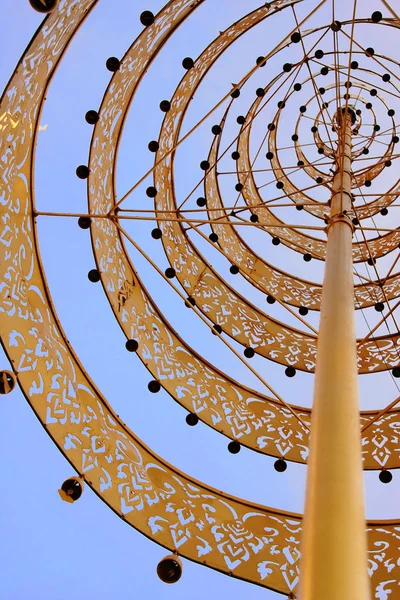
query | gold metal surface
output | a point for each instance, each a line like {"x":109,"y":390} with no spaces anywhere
{"x":248,"y":541}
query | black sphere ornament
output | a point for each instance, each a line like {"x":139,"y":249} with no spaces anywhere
{"x":192,"y":419}
{"x":319,"y":180}
{"x":322,"y":90}
{"x":190,"y":302}
{"x":154,"y":146}
{"x":365,"y":151}
{"x":281,"y":104}
{"x":216,"y":129}
{"x":373,"y":92}
{"x":234,"y":270}
{"x":321,"y":150}
{"x":151,"y":192}
{"x":43,"y":6}
{"x":336,"y":26}
{"x":395,"y":139}
{"x":388,"y":163}
{"x":368,"y":183}
{"x":354,"y":64}
{"x":379,"y":307}
{"x":391,"y":112}
{"x":213,"y":237}
{"x":376,"y":16}
{"x":154,"y":386}
{"x":216,"y":329}
{"x":324,"y":71}
{"x":241,"y":119}
{"x":269,"y":155}
{"x":303,"y":311}
{"x":132,"y":345}
{"x":94,"y":276}
{"x":249,"y":352}
{"x":295,"y":37}
{"x":204,"y":165}
{"x":260,"y":92}
{"x":188,"y":63}
{"x":368,"y":105}
{"x":290,"y":371}
{"x":71,"y":490}
{"x":235,"y":94}
{"x":300,"y":163}
{"x":287,"y":67}
{"x":254,"y":218}
{"x":386,"y":77}
{"x":369,"y":52}
{"x":113,"y":64}
{"x":385,"y":476}
{"x":271,"y":126}
{"x":234,"y":447}
{"x":147,"y":18}
{"x":165,"y":105}
{"x":92,"y":117}
{"x":201,"y":202}
{"x":7,"y":382}
{"x":280,"y":465}
{"x":299,"y":207}
{"x":297,"y":87}
{"x":82,"y":172}
{"x":384,"y":212}
{"x":169,"y":569}
{"x":170,"y":273}
{"x":371,"y":261}
{"x":295,"y":137}
{"x":239,"y":187}
{"x":355,"y":221}
{"x":280,"y":185}
{"x":235,"y":155}
{"x":396,"y":372}
{"x":307,"y":257}
{"x":270,"y":299}
{"x":319,"y":54}
{"x":276,"y":241}
{"x":156,"y":234}
{"x":261,"y":62}
{"x":303,"y":109}
{"x":84,"y":222}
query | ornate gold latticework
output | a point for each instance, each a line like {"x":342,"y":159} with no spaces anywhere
{"x":248,"y":541}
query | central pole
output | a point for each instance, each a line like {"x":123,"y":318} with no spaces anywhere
{"x":334,"y":545}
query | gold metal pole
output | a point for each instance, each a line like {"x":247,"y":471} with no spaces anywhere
{"x":334,"y":545}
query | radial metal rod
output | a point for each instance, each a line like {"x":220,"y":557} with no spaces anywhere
{"x":334,"y":545}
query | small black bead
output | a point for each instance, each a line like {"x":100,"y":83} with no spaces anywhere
{"x":396,"y":372}
{"x":319,"y":180}
{"x":261,"y":61}
{"x":201,"y":202}
{"x":307,"y":257}
{"x":151,"y":192}
{"x":94,"y":276}
{"x":290,"y":371}
{"x":373,"y":92}
{"x":336,"y":26}
{"x":43,"y":6}
{"x":249,"y":352}
{"x":213,"y":237}
{"x":391,"y":112}
{"x":384,"y":211}
{"x":368,"y":105}
{"x":84,"y":222}
{"x":319,"y":54}
{"x":239,"y":187}
{"x":379,"y":307}
{"x":154,"y":386}
{"x":321,"y":150}
{"x":216,"y":129}
{"x":355,"y":221}
{"x":234,"y":447}
{"x":369,"y":52}
{"x":368,"y":183}
{"x":269,"y":155}
{"x":270,"y":299}
{"x":234,"y":270}
{"x":170,"y":273}
{"x":276,"y":241}
{"x":92,"y":117}
{"x":303,"y":109}
{"x":216,"y":328}
{"x":190,"y":302}
{"x":165,"y":105}
{"x":300,"y":163}
{"x":358,"y":111}
{"x":280,"y":185}
{"x":371,"y":261}
{"x":156,"y":234}
{"x":235,"y":155}
{"x":297,"y":87}
{"x":324,"y":71}
{"x":322,"y":91}
{"x":147,"y":18}
{"x":241,"y":119}
{"x":395,"y":139}
{"x":260,"y":92}
{"x":82,"y":172}
{"x":314,"y":129}
{"x":295,"y":37}
{"x":354,"y":64}
{"x":192,"y":419}
{"x":254,"y":218}
{"x":188,"y":63}
{"x":299,"y":207}
{"x":281,"y":104}
{"x":386,"y":77}
{"x":280,"y":465}
{"x":287,"y":67}
{"x":385,"y":477}
{"x":303,"y":311}
{"x":113,"y":64}
{"x":295,"y":137}
{"x":235,"y":94}
{"x":376,"y":16}
{"x":131,"y":345}
{"x":388,"y":163}
{"x":204,"y":165}
{"x":365,"y":151}
{"x":377,"y":127}
{"x":154,"y":146}
{"x":271,"y":126}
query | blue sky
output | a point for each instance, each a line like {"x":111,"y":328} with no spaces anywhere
{"x":54,"y":550}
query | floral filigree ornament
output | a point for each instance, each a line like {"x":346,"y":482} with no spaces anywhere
{"x":250,"y":542}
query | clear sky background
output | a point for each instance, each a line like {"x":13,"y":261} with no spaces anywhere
{"x":53,"y":550}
